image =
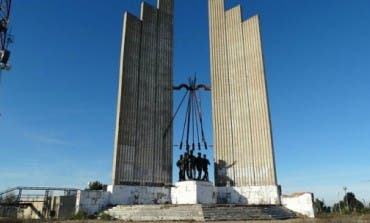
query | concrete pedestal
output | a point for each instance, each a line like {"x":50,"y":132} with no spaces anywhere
{"x":193,"y":192}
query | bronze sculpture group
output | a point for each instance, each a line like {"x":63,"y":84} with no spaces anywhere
{"x":189,"y":166}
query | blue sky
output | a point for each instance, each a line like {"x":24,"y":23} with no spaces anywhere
{"x":58,"y":102}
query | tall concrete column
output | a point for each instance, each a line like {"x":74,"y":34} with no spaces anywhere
{"x":243,"y":149}
{"x":142,"y":147}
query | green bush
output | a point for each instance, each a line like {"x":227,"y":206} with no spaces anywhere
{"x":8,"y":199}
{"x":105,"y":217}
{"x":365,"y":210}
{"x":79,"y":216}
{"x":96,"y":185}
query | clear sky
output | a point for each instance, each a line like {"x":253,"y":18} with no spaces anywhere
{"x":58,"y":102}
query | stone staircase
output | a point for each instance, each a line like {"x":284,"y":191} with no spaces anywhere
{"x":198,"y":212}
{"x":244,"y":212}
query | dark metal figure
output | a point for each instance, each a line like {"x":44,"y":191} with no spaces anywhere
{"x":187,"y":166}
{"x":193,"y":167}
{"x":198,"y":164}
{"x":181,"y":165}
{"x":205,"y":163}
{"x":192,"y":170}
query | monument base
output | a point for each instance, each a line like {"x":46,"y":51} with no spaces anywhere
{"x":125,"y":194}
{"x":250,"y":195}
{"x":193,"y":192}
{"x":185,"y":192}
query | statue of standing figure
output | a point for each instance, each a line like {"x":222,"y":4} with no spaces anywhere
{"x":189,"y":166}
{"x":198,"y":165}
{"x":205,"y":163}
{"x":181,"y":165}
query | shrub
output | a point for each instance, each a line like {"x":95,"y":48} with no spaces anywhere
{"x":105,"y":217}
{"x":80,"y":215}
{"x":96,"y":185}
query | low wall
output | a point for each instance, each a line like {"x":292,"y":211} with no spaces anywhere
{"x":251,"y":195}
{"x":301,"y":203}
{"x":92,"y":202}
{"x":122,"y":194}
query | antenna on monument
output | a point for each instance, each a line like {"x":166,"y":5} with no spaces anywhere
{"x":5,"y":37}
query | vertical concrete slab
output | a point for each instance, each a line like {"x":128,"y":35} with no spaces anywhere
{"x":164,"y":95}
{"x":241,"y":122}
{"x":146,"y":106}
{"x":125,"y":138}
{"x":259,"y":110}
{"x":143,"y":152}
{"x":221,"y":107}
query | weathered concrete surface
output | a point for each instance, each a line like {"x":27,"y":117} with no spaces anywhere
{"x":251,"y":195}
{"x":193,"y":192}
{"x":243,"y":148}
{"x":157,"y":213}
{"x":143,"y":144}
{"x":198,"y":212}
{"x":123,"y":194}
{"x":301,"y":203}
{"x":92,"y":202}
{"x":95,"y":201}
{"x":330,"y":219}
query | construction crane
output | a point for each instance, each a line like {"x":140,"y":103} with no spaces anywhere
{"x":5,"y":36}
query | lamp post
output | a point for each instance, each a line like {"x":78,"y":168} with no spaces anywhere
{"x":346,"y":197}
{"x":340,"y":209}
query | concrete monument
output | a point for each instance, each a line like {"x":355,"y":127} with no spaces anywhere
{"x":143,"y":145}
{"x":243,"y":149}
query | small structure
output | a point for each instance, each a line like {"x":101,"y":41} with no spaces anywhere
{"x":29,"y":203}
{"x":302,"y":203}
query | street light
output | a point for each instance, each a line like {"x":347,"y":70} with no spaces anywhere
{"x":346,"y":197}
{"x":340,"y":208}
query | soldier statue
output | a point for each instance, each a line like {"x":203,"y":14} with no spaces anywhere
{"x":187,"y":165}
{"x":181,"y":165}
{"x":191,"y":166}
{"x":205,"y":163}
{"x":198,"y":164}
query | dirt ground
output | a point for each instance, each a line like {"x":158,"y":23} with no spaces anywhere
{"x":340,"y":219}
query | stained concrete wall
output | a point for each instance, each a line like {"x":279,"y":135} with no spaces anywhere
{"x":251,"y":195}
{"x":92,"y":202}
{"x":243,"y":148}
{"x":64,"y":206}
{"x":143,"y":144}
{"x":124,"y":194}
